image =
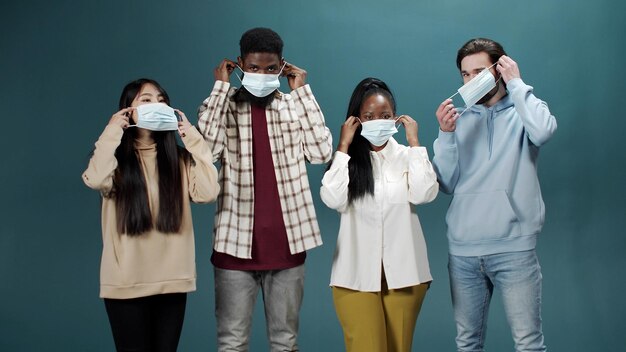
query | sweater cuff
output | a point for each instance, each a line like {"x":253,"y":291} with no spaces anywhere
{"x":446,"y":137}
{"x":191,"y":136}
{"x":515,"y":84}
{"x":112,"y":131}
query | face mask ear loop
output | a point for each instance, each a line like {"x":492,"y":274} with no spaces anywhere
{"x":462,"y":112}
{"x":395,"y":122}
{"x":498,"y":80}
{"x":281,"y":69}
{"x":236,"y":74}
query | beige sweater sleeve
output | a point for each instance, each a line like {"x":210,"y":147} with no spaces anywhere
{"x":99,"y":173}
{"x":201,"y":173}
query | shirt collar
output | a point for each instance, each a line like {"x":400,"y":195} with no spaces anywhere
{"x":389,"y":150}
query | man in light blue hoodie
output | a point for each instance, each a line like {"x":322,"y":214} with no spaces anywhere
{"x":487,"y":159}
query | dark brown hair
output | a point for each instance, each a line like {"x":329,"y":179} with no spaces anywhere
{"x":478,"y":45}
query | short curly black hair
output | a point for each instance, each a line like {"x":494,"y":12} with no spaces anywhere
{"x":261,"y":40}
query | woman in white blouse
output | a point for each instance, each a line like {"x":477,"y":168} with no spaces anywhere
{"x":380,"y":270}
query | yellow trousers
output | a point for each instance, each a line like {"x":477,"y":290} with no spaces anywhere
{"x":379,"y":321}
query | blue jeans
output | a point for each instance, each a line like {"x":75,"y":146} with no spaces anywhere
{"x":235,"y":296}
{"x":518,"y":276}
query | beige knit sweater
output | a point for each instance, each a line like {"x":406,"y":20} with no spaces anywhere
{"x":151,"y":263}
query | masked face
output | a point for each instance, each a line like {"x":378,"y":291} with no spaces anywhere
{"x":480,"y":83}
{"x":260,"y":85}
{"x":261,"y":72}
{"x":378,"y":132}
{"x":152,"y":111}
{"x":156,"y":117}
{"x":378,"y":122}
{"x":478,"y":87}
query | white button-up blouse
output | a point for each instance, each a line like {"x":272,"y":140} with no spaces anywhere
{"x":382,"y":230}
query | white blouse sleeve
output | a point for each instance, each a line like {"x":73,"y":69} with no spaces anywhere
{"x":334,"y":190}
{"x":423,"y":186}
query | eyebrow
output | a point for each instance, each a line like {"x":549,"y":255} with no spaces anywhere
{"x":259,"y":66}
{"x":476,"y":69}
{"x":150,"y":94}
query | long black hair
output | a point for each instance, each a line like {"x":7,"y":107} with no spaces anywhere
{"x":360,"y":164}
{"x":129,"y":183}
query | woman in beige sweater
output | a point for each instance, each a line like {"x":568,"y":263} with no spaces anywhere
{"x":147,"y":181}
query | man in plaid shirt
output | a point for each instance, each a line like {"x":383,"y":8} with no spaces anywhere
{"x":265,"y":218}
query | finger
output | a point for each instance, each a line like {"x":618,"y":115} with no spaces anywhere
{"x":449,"y":110}
{"x":125,"y":110}
{"x":182,"y":114}
{"x":443,"y":105}
{"x":230,"y":64}
{"x":506,"y":59}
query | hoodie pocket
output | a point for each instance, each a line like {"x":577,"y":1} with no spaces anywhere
{"x":481,"y":216}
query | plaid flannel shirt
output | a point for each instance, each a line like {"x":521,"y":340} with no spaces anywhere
{"x":296,"y":131}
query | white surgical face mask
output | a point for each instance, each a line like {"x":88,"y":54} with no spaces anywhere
{"x":378,"y":132}
{"x":260,"y":84}
{"x":156,"y":117}
{"x":476,"y":88}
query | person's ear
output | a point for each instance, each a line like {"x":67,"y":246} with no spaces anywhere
{"x":240,"y":62}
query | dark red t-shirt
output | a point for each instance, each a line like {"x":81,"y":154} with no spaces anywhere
{"x":270,"y":247}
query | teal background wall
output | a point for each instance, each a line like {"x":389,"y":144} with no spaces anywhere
{"x":62,"y":67}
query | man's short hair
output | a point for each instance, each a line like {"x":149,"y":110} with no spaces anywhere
{"x":478,"y":45}
{"x":260,"y":40}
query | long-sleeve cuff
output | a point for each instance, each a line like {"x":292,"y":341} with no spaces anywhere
{"x":514,"y":84}
{"x":418,"y":152}
{"x":193,"y":140}
{"x":112,"y":131}
{"x":220,"y":87}
{"x":303,"y":93}
{"x":341,"y":159}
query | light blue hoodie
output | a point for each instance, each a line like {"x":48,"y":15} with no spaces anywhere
{"x":489,"y":164}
